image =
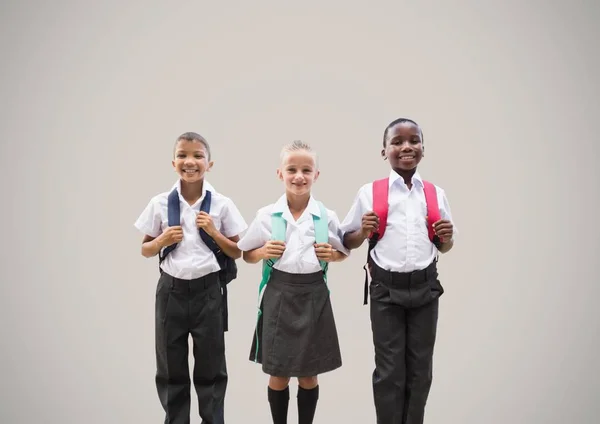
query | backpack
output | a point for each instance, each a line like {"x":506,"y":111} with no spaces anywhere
{"x":278,"y":232}
{"x":228,"y":266}
{"x":380,"y":207}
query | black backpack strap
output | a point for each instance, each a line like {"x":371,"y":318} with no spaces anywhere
{"x":208,"y":240}
{"x":174,"y":219}
{"x":372,"y":242}
{"x":219,"y":254}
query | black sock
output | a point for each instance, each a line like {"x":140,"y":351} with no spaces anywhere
{"x":307,"y":404}
{"x":279,"y":401}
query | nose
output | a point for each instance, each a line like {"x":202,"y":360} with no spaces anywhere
{"x":406,"y":146}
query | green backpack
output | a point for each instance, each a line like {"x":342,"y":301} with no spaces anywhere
{"x":278,"y":232}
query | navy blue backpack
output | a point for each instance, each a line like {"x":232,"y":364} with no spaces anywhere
{"x":228,"y":266}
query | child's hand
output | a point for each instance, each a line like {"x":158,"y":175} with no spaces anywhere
{"x":370,"y":223}
{"x":324,"y":251}
{"x":204,"y":221}
{"x":273,"y":249}
{"x":444,"y":230}
{"x":170,"y":236}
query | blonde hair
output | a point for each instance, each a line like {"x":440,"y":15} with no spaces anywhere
{"x":298,"y":146}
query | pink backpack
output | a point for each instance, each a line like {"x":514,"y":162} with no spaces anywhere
{"x":380,"y":207}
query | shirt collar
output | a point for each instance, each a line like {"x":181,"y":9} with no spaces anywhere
{"x":205,"y":186}
{"x":416,"y":178}
{"x":282,"y":207}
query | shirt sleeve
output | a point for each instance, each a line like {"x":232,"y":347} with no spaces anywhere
{"x":258,"y":232}
{"x":149,"y":222}
{"x":336,"y":236}
{"x":353,"y":219}
{"x":445,"y":210}
{"x":232,"y":222}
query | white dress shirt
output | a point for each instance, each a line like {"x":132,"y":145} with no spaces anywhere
{"x":192,"y":258}
{"x":299,"y":256}
{"x":405,"y":246}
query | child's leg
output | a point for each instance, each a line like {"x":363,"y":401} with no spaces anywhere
{"x":172,"y":371}
{"x":388,"y":323}
{"x":420,"y":339}
{"x":279,"y":398}
{"x":308,"y":395}
{"x":210,"y":369}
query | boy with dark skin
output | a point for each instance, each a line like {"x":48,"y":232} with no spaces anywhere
{"x":404,"y":290}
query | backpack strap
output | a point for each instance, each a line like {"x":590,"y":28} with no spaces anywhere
{"x":222,"y":258}
{"x":174,"y":219}
{"x":322,"y":233}
{"x":278,"y":227}
{"x":433,"y":210}
{"x":208,"y":240}
{"x":380,"y":206}
{"x":380,"y":190}
{"x":278,"y":232}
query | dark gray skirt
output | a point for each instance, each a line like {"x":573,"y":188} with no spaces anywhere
{"x":296,"y":334}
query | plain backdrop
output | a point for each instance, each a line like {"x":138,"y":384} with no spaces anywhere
{"x":93,"y":94}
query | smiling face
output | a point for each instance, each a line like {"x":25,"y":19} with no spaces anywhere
{"x":403,"y":147}
{"x":191,"y":160}
{"x":298,"y":171}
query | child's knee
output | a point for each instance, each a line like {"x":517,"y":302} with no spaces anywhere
{"x":278,"y":383}
{"x":308,"y":382}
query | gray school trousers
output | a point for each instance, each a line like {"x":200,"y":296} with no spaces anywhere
{"x":404,"y":313}
{"x":193,"y":308}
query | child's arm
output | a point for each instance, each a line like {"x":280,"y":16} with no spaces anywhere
{"x":326,"y":252}
{"x":334,"y":251}
{"x":255,"y":244}
{"x":149,"y":223}
{"x":227,"y":244}
{"x":444,"y":228}
{"x":354,"y":239}
{"x":445,"y":231}
{"x":338,"y":256}
{"x":253,"y":256}
{"x":271,"y":250}
{"x":152,"y":245}
{"x":232,"y":225}
{"x":360,"y":220}
{"x":446,"y":246}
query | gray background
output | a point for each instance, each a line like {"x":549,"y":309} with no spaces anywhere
{"x":94,"y":93}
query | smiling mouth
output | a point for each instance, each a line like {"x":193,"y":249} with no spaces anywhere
{"x":190,"y":171}
{"x":406,"y":157}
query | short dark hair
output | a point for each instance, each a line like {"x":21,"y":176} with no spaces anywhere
{"x":192,"y":136}
{"x":400,"y":121}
